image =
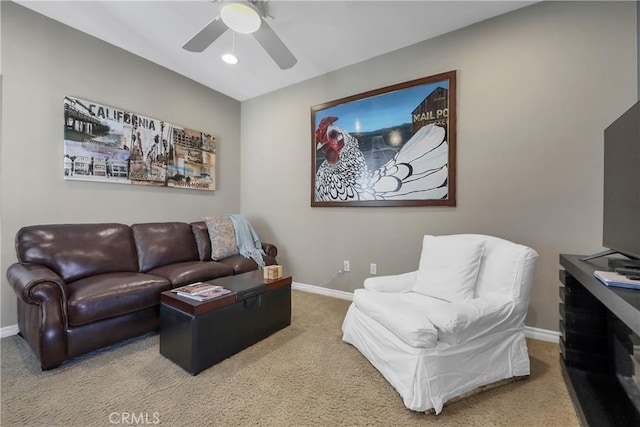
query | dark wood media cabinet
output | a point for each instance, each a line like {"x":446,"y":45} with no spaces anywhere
{"x":598,"y":326}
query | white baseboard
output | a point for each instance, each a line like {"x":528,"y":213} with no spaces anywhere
{"x":322,"y":291}
{"x":7,"y":331}
{"x":530,"y":332}
{"x":542,"y":334}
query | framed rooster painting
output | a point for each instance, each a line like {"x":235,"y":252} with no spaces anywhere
{"x":394,"y":146}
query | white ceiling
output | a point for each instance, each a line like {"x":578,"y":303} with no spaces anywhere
{"x":323,"y":35}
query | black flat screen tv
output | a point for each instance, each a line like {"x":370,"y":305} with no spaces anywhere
{"x":621,"y":219}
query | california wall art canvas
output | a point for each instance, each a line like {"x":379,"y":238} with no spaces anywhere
{"x":107,"y":144}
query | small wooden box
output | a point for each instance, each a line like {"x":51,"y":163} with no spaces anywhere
{"x":273,"y":272}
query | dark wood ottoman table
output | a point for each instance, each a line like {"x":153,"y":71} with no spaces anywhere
{"x":196,"y":335}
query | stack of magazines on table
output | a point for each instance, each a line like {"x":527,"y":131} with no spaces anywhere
{"x":201,"y":291}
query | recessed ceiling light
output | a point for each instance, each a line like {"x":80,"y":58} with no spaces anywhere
{"x":230,"y":58}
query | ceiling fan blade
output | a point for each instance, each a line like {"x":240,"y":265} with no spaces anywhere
{"x":206,"y":36}
{"x":274,"y":46}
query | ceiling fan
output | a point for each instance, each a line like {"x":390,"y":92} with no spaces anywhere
{"x":245,"y":17}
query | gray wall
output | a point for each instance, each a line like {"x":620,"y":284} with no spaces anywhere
{"x":42,"y":61}
{"x":536,"y":88}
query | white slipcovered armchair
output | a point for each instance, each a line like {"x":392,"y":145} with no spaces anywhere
{"x":455,"y":324}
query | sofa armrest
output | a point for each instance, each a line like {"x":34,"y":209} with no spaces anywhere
{"x":42,"y":295}
{"x":464,"y":321}
{"x":27,"y":278}
{"x":270,"y":249}
{"x":397,"y":283}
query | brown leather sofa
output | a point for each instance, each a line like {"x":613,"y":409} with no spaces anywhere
{"x":81,"y":287}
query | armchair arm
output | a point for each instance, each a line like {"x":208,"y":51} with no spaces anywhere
{"x":464,"y":321}
{"x":398,"y":283}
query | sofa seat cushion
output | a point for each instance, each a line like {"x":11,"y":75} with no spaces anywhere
{"x":183,"y":273}
{"x":240,"y":264}
{"x":112,"y":294}
{"x":404,"y":314}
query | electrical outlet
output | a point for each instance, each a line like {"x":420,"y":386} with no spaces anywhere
{"x":373,"y":269}
{"x":347,"y":266}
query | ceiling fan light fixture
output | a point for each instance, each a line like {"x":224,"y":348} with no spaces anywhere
{"x":230,"y":58}
{"x":241,"y":16}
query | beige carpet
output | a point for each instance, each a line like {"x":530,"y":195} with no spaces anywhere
{"x":302,"y":376}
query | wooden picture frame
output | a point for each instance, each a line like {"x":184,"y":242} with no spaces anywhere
{"x":393,"y":146}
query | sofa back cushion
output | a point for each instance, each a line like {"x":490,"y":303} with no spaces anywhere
{"x":76,"y":251}
{"x":163,"y":243}
{"x":203,"y":242}
{"x":449,"y":267}
{"x":506,"y":271}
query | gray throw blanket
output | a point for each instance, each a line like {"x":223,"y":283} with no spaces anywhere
{"x":247,"y":239}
